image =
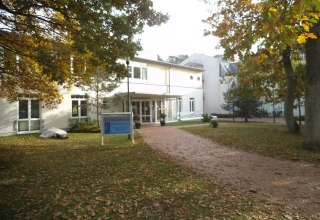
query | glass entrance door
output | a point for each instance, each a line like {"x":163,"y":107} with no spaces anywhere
{"x":146,"y":111}
{"x":143,"y":110}
{"x":136,"y":109}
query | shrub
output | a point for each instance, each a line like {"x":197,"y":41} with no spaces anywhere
{"x":163,"y":117}
{"x":88,"y":127}
{"x":206,"y":118}
{"x":214,"y":124}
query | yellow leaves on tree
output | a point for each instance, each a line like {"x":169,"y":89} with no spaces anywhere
{"x":28,"y":81}
{"x":272,"y":9}
{"x":46,"y":37}
{"x":302,"y":39}
{"x":306,"y":22}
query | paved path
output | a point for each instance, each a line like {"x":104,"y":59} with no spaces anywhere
{"x":292,"y":185}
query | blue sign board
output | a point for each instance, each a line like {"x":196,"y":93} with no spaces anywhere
{"x":117,"y":124}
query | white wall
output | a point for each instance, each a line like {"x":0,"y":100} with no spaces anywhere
{"x":8,"y":117}
{"x":213,"y":85}
{"x":60,"y":116}
{"x":175,"y":81}
{"x":163,"y":79}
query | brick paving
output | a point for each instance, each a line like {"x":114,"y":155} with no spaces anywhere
{"x":295,"y":186}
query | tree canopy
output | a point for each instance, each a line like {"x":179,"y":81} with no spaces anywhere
{"x":177,"y":59}
{"x":241,"y":101}
{"x":45,"y":44}
{"x":244,"y":26}
{"x":267,"y":29}
{"x":101,"y":84}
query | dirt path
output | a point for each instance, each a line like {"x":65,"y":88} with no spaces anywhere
{"x":294,"y":186}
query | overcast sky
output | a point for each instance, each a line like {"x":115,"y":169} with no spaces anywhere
{"x":182,"y":34}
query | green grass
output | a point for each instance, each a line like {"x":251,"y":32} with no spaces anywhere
{"x":77,"y":178}
{"x":263,"y":138}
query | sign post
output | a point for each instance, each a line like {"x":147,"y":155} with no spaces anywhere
{"x":116,"y":123}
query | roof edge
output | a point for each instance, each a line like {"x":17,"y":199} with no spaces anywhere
{"x":163,"y":63}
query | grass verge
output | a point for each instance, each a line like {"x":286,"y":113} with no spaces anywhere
{"x":78,"y":179}
{"x":263,"y":138}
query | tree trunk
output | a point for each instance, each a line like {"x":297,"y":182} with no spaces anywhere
{"x":97,"y":105}
{"x":312,"y":96}
{"x":292,"y":125}
{"x":98,"y":114}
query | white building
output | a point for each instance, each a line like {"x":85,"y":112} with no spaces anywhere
{"x":215,"y":80}
{"x":154,"y":87}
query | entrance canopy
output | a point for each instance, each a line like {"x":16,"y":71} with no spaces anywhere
{"x":148,"y":107}
{"x":152,"y":96}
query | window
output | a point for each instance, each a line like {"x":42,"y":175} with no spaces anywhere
{"x":79,"y":108}
{"x":137,"y":72}
{"x":75,"y":108}
{"x":130,"y":71}
{"x":29,"y":115}
{"x":35,"y":109}
{"x":144,"y":73}
{"x":23,"y":109}
{"x":191,"y":104}
{"x":191,"y":77}
{"x":83,"y":108}
{"x":198,"y":78}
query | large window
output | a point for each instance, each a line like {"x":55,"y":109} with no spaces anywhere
{"x":191,"y":105}
{"x":29,"y":115}
{"x":138,"y":72}
{"x":79,"y":106}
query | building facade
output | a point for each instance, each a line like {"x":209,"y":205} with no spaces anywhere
{"x":218,"y":77}
{"x":154,"y":88}
{"x":216,"y":80}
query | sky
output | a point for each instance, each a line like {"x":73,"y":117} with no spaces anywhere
{"x":182,"y":34}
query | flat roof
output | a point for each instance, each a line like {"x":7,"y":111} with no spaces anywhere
{"x":163,"y":63}
{"x":151,"y":95}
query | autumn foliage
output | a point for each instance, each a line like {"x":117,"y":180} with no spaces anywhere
{"x":47,"y":44}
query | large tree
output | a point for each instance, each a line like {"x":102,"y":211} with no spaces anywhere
{"x":101,"y":85}
{"x":312,"y":97}
{"x":177,"y":59}
{"x":275,"y":27}
{"x":46,"y":43}
{"x":240,"y":99}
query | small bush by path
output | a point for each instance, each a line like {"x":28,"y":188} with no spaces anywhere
{"x":263,"y":138}
{"x":77,"y":178}
{"x":88,"y":127}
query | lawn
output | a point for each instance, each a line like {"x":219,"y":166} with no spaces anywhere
{"x":77,"y":178}
{"x":264,"y":138}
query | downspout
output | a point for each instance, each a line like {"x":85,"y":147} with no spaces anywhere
{"x":169,"y":86}
{"x":170,"y":79}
